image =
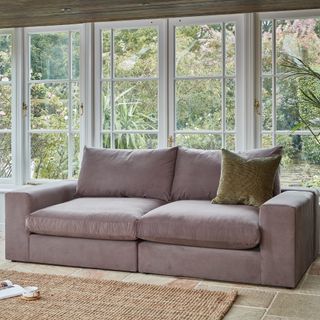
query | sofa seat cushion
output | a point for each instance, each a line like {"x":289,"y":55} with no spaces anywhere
{"x":202,"y":224}
{"x":93,"y":218}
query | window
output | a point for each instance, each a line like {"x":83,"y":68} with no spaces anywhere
{"x":156,"y":83}
{"x":6,"y":103}
{"x":204,"y":82}
{"x":129,"y":87}
{"x":281,"y":98}
{"x":53,"y":95}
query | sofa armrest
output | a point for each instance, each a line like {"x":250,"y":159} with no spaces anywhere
{"x":20,"y":203}
{"x":287,"y":243}
{"x":316,"y":217}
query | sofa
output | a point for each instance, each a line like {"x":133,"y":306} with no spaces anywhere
{"x":150,"y":211}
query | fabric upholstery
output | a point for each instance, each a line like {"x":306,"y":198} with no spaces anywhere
{"x":246,"y":181}
{"x":203,"y":263}
{"x":316,"y":201}
{"x":200,"y":223}
{"x":127,"y":173}
{"x":287,"y":245}
{"x":87,"y":253}
{"x":197,"y":172}
{"x":20,"y":203}
{"x":267,"y":152}
{"x":93,"y":218}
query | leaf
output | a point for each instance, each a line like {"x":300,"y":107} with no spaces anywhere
{"x":310,"y":97}
{"x":297,"y":127}
{"x":297,"y":68}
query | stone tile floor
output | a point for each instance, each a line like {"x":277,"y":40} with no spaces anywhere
{"x":253,"y":302}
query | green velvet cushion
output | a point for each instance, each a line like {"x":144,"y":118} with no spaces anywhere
{"x":246,"y":181}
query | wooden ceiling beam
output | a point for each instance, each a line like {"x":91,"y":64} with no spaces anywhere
{"x":22,"y":13}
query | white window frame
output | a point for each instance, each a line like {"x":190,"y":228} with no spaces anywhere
{"x":82,"y":29}
{"x":248,"y":52}
{"x":300,"y":14}
{"x":11,"y":180}
{"x":242,"y":126}
{"x":162,"y":72}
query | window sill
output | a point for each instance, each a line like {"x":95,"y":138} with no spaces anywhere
{"x":8,"y":187}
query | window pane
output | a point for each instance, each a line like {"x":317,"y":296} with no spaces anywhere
{"x":5,"y":155}
{"x":136,"y":141}
{"x":266,"y":140}
{"x":287,"y":104}
{"x":230,"y":30}
{"x":106,"y":105}
{"x":230,"y":104}
{"x":49,"y":106}
{"x":75,"y":105}
{"x":230,"y":142}
{"x":75,"y":38}
{"x":266,"y":99}
{"x":136,"y":52}
{"x":106,"y":140}
{"x":299,"y":38}
{"x":49,"y":156}
{"x":106,"y":52}
{"x":76,"y":155}
{"x":49,"y":55}
{"x":5,"y":57}
{"x":5,"y":106}
{"x":198,"y":104}
{"x":199,"y":50}
{"x":266,"y":46}
{"x":199,"y":141}
{"x":301,"y":160}
{"x":136,"y":105}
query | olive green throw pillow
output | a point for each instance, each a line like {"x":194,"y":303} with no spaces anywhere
{"x":246,"y":181}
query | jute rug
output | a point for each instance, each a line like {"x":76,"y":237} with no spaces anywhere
{"x":71,"y":298}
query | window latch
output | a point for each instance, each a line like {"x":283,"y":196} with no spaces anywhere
{"x":257,"y":107}
{"x":81,"y":109}
{"x":170,"y":141}
{"x":24,"y":109}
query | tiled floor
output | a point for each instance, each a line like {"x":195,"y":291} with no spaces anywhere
{"x":253,"y":302}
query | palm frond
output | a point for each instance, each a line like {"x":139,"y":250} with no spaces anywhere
{"x":310,"y":98}
{"x":309,"y":127}
{"x":297,"y":68}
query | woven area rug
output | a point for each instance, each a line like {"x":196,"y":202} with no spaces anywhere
{"x":71,"y":298}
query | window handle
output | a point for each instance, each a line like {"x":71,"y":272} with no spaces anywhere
{"x":24,"y":109}
{"x":170,"y":141}
{"x":81,"y":109}
{"x":257,"y":107}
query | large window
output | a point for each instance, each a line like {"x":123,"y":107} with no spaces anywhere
{"x":6,"y":102}
{"x":204,"y":82}
{"x":53,"y":100}
{"x":281,"y":97}
{"x":129,"y":88}
{"x":156,"y":83}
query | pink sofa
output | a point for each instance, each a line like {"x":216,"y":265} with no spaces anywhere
{"x":150,"y":211}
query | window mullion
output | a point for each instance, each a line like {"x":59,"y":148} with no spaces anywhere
{"x":112,"y":96}
{"x":69,"y":135}
{"x":223,"y":85}
{"x":274,"y":83}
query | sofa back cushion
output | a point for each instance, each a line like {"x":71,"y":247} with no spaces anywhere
{"x":197,"y":172}
{"x":127,"y":173}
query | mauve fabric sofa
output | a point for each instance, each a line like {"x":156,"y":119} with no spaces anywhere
{"x":150,"y":211}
